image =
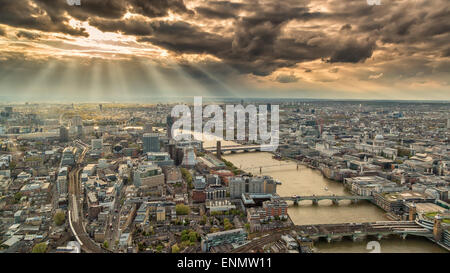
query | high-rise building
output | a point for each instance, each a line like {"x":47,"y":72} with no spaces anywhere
{"x":189,"y":157}
{"x":448,"y":123}
{"x":169,"y":123}
{"x":79,"y":130}
{"x":97,"y":144}
{"x":61,"y":181}
{"x":63,"y":134}
{"x":150,"y":142}
{"x":61,"y":185}
{"x":68,"y":157}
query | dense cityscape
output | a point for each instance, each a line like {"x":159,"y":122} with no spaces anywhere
{"x":101,"y":178}
{"x":224,"y":135}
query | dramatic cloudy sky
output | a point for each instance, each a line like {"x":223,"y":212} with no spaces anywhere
{"x":140,"y":49}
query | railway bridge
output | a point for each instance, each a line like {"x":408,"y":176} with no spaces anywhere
{"x":357,"y":231}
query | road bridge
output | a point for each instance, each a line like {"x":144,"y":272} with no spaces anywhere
{"x":334,"y":198}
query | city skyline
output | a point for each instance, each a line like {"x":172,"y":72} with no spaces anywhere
{"x":127,"y":50}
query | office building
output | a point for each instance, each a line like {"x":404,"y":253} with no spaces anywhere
{"x":97,"y":144}
{"x":253,"y":185}
{"x":188,"y":157}
{"x":160,"y":158}
{"x":63,"y":134}
{"x":215,"y":192}
{"x":234,"y":236}
{"x":169,"y":123}
{"x":150,"y":143}
{"x":275,"y":208}
{"x":160,"y":214}
{"x":149,"y":178}
{"x":68,"y":157}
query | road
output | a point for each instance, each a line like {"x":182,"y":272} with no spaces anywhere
{"x":113,"y":233}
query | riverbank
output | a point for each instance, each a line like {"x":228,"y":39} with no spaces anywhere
{"x":302,"y":180}
{"x":307,"y":181}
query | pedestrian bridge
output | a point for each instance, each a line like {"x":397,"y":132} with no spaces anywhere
{"x":245,"y":148}
{"x":334,"y":198}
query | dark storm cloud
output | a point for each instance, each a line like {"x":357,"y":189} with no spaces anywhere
{"x":220,"y":9}
{"x":130,"y":27}
{"x":353,"y":52}
{"x":287,"y":78}
{"x":114,"y":9}
{"x":28,"y":35}
{"x":346,"y":27}
{"x":255,"y":36}
{"x":51,"y":15}
{"x":20,"y":13}
{"x":57,"y":9}
{"x":158,"y":8}
{"x":182,"y":37}
{"x":446,"y":52}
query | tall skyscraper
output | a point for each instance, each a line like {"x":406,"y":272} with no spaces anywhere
{"x":169,"y":123}
{"x":63,"y":134}
{"x":150,"y":142}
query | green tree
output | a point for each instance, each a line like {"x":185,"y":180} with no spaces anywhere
{"x":193,"y":236}
{"x":227,"y":225}
{"x":159,"y":248}
{"x":247,"y":227}
{"x":141,"y":246}
{"x":182,"y":209}
{"x":203,"y":221}
{"x":214,"y":229}
{"x":175,"y":248}
{"x":17,"y":197}
{"x":39,"y":248}
{"x":185,"y":235}
{"x":12,"y":165}
{"x":106,"y":244}
{"x":187,"y":176}
{"x":59,"y":218}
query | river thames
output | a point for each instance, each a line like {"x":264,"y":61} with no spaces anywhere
{"x":306,"y":181}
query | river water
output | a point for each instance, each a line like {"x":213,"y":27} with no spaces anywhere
{"x":306,"y":181}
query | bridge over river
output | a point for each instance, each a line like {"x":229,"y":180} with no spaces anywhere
{"x":334,"y":198}
{"x":336,"y":232}
{"x":362,"y":230}
{"x":245,"y":148}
